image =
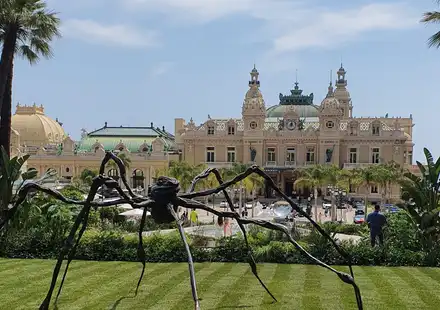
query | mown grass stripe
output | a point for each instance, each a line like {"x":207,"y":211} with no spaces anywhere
{"x":417,"y":286}
{"x":128,"y":281}
{"x":312,"y":288}
{"x":203,"y":285}
{"x":224,"y":285}
{"x":122,"y":285}
{"x":23,"y":266}
{"x":383,"y":287}
{"x":404,"y":290}
{"x":173,"y":298}
{"x":26,"y":282}
{"x":277,"y":285}
{"x":433,"y":273}
{"x":429,"y":276}
{"x":254,"y":291}
{"x":294,"y":288}
{"x":332,"y":289}
{"x":155,"y":289}
{"x":232,"y":295}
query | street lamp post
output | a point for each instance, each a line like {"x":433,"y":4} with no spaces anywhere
{"x":338,"y":198}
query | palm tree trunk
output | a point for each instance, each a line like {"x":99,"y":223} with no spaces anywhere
{"x":6,"y":59}
{"x":5,"y":115}
{"x":315,"y":193}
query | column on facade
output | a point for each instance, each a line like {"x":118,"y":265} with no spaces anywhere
{"x":300,"y":154}
{"x":281,"y":154}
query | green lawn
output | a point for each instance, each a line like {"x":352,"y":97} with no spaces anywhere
{"x":97,"y":285}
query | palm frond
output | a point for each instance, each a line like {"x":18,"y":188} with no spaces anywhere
{"x":431,"y":17}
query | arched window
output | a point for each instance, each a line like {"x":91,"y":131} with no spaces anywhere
{"x":138,"y":178}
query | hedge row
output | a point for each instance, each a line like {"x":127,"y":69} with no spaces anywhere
{"x":114,"y":246}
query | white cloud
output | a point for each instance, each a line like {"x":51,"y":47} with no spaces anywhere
{"x":119,"y":35}
{"x":329,"y":29}
{"x":193,"y":10}
{"x":290,"y":25}
{"x":161,"y":68}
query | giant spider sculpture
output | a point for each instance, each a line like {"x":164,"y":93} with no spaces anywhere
{"x":163,"y":202}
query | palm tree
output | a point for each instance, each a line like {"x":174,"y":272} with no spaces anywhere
{"x":432,"y":18}
{"x":26,"y":29}
{"x":350,"y":180}
{"x":313,"y":177}
{"x":422,"y":199}
{"x":369,"y":178}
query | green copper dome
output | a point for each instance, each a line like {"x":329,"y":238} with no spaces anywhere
{"x":303,"y":104}
{"x":302,"y":110}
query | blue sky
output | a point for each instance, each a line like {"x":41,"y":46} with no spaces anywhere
{"x":132,"y":62}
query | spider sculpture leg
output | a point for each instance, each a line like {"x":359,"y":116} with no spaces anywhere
{"x":190,"y":259}
{"x":266,"y":224}
{"x":251,"y":260}
{"x":258,"y":171}
{"x":140,"y":249}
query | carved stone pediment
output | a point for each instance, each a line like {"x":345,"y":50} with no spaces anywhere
{"x":158,"y":145}
{"x":68,"y":145}
{"x":98,"y":148}
{"x":145,"y":148}
{"x":121,"y":147}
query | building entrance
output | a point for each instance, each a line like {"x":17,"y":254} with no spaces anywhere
{"x":288,"y":188}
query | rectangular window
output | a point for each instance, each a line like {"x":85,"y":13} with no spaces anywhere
{"x":231,"y":130}
{"x":410,"y":157}
{"x":352,"y":129}
{"x":290,"y":156}
{"x":374,"y":189}
{"x":210,"y":154}
{"x":310,"y":155}
{"x":375,"y":128}
{"x":375,"y":155}
{"x":353,"y":156}
{"x":231,"y":154}
{"x":210,"y":130}
{"x":271,"y":154}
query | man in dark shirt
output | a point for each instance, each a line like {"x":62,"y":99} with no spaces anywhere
{"x":376,"y":221}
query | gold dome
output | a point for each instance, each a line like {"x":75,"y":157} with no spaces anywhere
{"x":35,"y":128}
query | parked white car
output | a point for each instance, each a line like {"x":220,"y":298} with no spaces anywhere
{"x":223,"y":204}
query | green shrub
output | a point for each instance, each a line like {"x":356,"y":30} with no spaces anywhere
{"x":400,"y":249}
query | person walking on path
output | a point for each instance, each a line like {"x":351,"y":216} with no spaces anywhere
{"x":376,"y":221}
{"x":194,"y":217}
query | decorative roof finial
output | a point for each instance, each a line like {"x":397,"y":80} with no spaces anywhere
{"x":296,"y":79}
{"x":330,"y":92}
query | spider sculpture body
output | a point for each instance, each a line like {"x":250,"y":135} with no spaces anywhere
{"x":163,"y":202}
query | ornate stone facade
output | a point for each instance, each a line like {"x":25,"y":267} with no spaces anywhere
{"x":148,"y":148}
{"x":297,"y":133}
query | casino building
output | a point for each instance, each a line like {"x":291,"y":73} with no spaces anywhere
{"x":296,"y":133}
